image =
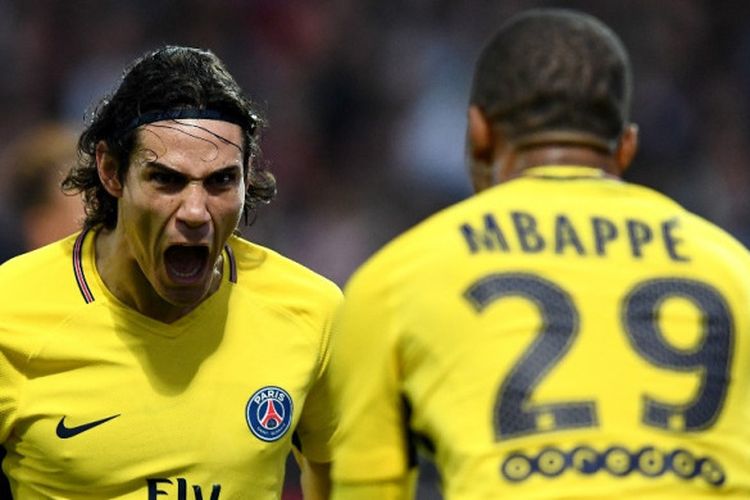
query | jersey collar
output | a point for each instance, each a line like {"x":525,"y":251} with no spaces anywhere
{"x":566,"y":172}
{"x":79,"y":269}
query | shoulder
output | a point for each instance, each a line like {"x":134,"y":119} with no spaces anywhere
{"x":31,"y":262}
{"x":39,"y":275}
{"x":702,"y":234}
{"x":719,"y":243}
{"x":37,"y":291}
{"x":408,"y":259}
{"x":266,"y":272}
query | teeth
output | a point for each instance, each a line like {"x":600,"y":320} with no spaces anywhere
{"x":185,"y":275}
{"x":185,"y":262}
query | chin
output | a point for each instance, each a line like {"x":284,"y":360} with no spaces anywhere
{"x":185,"y":298}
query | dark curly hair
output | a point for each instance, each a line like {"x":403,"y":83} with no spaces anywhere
{"x":163,"y":83}
{"x":554,"y":69}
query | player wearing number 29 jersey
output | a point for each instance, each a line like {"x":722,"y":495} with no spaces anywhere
{"x":563,"y":334}
{"x":594,"y":343}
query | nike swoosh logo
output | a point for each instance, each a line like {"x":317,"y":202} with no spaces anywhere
{"x":64,"y":432}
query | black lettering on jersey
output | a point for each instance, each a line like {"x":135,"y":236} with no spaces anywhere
{"x":639,"y":234}
{"x":526,"y":230}
{"x":178,"y":489}
{"x":490,"y":237}
{"x":605,"y":232}
{"x":566,"y":236}
{"x":671,"y":240}
{"x":530,"y":233}
{"x":711,"y":358}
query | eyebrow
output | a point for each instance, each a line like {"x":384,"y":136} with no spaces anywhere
{"x":156,"y":165}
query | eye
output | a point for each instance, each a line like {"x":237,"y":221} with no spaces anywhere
{"x":164,"y":178}
{"x":222,"y":180}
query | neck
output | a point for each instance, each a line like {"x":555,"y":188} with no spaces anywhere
{"x":124,"y":278}
{"x":536,"y":156}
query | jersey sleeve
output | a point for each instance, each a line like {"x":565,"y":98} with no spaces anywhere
{"x":370,"y":443}
{"x":10,"y":385}
{"x":317,"y":423}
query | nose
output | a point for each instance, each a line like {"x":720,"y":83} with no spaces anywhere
{"x":193,"y":210}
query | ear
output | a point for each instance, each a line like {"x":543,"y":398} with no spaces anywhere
{"x":107,"y":168}
{"x":480,"y":150}
{"x":627,"y":146}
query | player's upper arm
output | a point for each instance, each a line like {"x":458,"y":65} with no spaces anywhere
{"x":11,"y":382}
{"x":317,"y":422}
{"x":370,"y":441}
{"x":315,"y":478}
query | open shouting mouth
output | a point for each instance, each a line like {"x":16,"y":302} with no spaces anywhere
{"x":186,"y":264}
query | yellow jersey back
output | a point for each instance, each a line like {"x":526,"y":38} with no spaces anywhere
{"x":562,"y":335}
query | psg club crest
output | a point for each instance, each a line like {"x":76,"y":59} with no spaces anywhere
{"x":269,"y":413}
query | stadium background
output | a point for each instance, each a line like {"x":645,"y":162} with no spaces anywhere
{"x":366,"y":102}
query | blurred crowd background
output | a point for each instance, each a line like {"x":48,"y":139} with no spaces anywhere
{"x":366,"y":101}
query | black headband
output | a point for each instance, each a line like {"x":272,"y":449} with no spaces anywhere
{"x":183,"y":113}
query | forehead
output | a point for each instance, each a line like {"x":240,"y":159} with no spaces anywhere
{"x":186,"y":144}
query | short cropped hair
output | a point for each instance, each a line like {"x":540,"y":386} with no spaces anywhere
{"x":554,"y":69}
{"x":169,"y":79}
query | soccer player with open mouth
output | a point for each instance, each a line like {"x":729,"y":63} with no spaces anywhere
{"x":172,"y":357}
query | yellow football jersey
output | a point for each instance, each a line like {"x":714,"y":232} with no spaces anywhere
{"x":562,"y":335}
{"x":98,"y":401}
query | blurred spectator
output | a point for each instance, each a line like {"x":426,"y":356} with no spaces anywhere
{"x":35,"y":165}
